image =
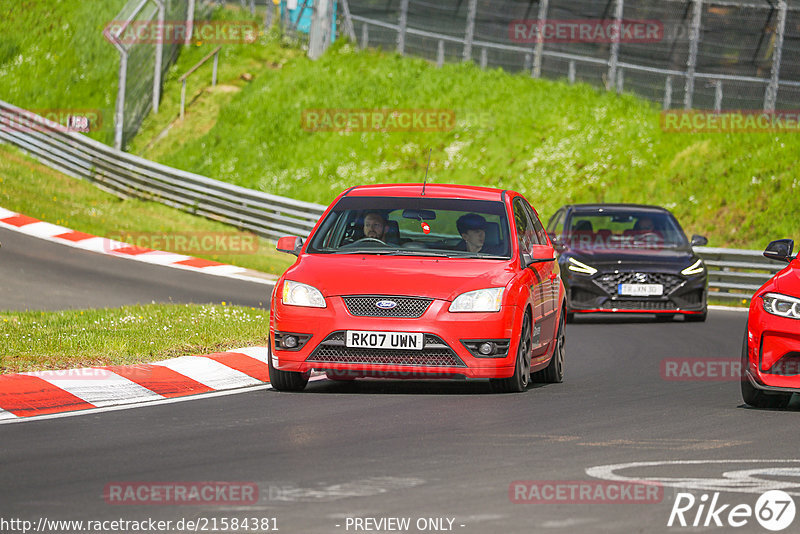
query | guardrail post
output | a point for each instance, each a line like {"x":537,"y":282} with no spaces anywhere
{"x":667,"y":94}
{"x":539,"y":51}
{"x":253,"y":7}
{"x":771,"y":95}
{"x":472,"y":11}
{"x":614,"y":57}
{"x":694,"y":44}
{"x":183,"y":97}
{"x":571,"y":71}
{"x":484,"y":57}
{"x":440,"y":54}
{"x":214,"y":69}
{"x":620,"y":80}
{"x":159,"y":56}
{"x":528,"y":62}
{"x":717,"y":96}
{"x":403,"y":25}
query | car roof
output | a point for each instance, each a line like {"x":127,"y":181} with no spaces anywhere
{"x":467,"y":192}
{"x":618,"y":207}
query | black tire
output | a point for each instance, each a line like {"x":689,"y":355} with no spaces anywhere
{"x":518,"y":382}
{"x":285,"y":380}
{"x":554,"y":372}
{"x":665,"y":317}
{"x":755,"y":397}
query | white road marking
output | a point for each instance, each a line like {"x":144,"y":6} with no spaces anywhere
{"x":259,"y":353}
{"x":751,"y":480}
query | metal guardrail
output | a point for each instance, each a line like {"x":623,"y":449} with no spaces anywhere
{"x":126,"y":175}
{"x":736,"y":274}
{"x":733,"y":274}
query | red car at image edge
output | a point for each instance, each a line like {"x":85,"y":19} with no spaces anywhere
{"x":771,"y":348}
{"x":420,"y":281}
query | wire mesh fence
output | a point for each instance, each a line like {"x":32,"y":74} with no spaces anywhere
{"x":700,"y":54}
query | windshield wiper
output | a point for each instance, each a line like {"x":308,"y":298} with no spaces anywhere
{"x":410,"y":252}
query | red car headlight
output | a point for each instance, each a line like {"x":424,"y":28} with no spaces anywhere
{"x":782,"y":305}
{"x":481,"y":300}
{"x":297,"y":294}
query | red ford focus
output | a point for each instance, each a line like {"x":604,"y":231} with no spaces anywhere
{"x":771,"y":351}
{"x":413,"y":281}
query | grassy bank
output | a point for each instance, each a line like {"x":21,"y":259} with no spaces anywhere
{"x":554,"y":142}
{"x":32,"y":341}
{"x":38,"y":191}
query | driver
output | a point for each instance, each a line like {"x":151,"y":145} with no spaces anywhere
{"x":645,"y":224}
{"x":375,"y":226}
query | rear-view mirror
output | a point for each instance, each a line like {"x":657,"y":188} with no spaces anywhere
{"x":780,"y":250}
{"x":290,"y":245}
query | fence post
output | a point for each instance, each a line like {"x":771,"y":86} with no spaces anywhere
{"x":440,"y":54}
{"x":571,"y":71}
{"x":252,"y":7}
{"x":667,"y":94}
{"x":540,"y":22}
{"x":717,"y":96}
{"x":364,"y":35}
{"x":620,"y":80}
{"x":614,"y":57}
{"x":484,"y":57}
{"x":214,"y":69}
{"x":119,"y":113}
{"x":183,"y":97}
{"x":348,"y":21}
{"x":771,"y":95}
{"x":403,"y":24}
{"x":472,"y":11}
{"x":162,"y":14}
{"x":691,"y":62}
{"x":189,"y":22}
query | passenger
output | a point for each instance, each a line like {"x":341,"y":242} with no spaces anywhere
{"x":472,"y":228}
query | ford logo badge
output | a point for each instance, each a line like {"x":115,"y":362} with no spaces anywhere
{"x":386,"y":304}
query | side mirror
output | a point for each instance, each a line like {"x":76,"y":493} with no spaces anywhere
{"x":538,"y":254}
{"x":780,"y":250}
{"x":699,"y":241}
{"x":290,"y":245}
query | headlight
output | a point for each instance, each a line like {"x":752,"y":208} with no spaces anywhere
{"x":695,"y":268}
{"x":782,"y":305}
{"x":482,"y":300}
{"x":297,"y":294}
{"x":580,"y":267}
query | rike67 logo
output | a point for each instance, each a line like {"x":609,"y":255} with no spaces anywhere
{"x":774,"y":510}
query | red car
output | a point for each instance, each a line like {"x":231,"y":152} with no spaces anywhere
{"x":420,"y":281}
{"x":771,"y":351}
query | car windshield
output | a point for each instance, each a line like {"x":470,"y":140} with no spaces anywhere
{"x":401,"y":226}
{"x":611,"y":229}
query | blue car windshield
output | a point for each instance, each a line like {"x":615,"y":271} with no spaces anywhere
{"x":611,"y":229}
{"x":401,"y":226}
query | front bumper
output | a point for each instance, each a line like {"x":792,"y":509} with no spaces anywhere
{"x":773,"y":351}
{"x":444,"y":355}
{"x":597,"y":293}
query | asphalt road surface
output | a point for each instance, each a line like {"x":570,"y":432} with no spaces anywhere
{"x":36,"y":274}
{"x":374,"y":450}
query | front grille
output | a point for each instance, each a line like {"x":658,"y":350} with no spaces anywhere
{"x":407,"y":307}
{"x":610,"y":281}
{"x":655,"y":305}
{"x":435,"y":353}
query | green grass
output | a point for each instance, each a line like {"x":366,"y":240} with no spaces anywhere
{"x":554,"y":142}
{"x":34,"y":340}
{"x":53,"y":56}
{"x":38,"y":191}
